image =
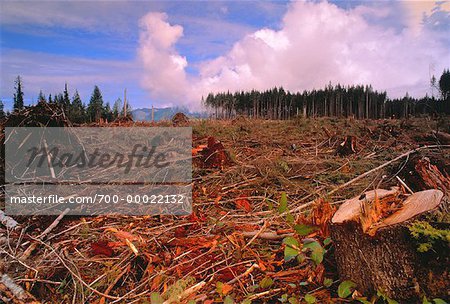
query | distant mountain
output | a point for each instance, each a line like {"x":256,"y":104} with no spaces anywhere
{"x":145,"y":114}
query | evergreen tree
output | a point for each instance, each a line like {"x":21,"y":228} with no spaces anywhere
{"x":50,"y":98}
{"x":95,"y":107}
{"x":59,"y":99}
{"x":18,"y":95}
{"x":117,"y":108}
{"x":2,"y":110}
{"x":129,"y":109}
{"x":444,"y":84}
{"x":77,"y":112}
{"x":107,"y":112}
{"x":333,"y":101}
{"x":66,"y":99}
{"x":41,"y":97}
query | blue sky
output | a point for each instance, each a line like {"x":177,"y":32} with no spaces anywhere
{"x":211,"y":46}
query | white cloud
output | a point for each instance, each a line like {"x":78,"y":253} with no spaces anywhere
{"x":165,"y":76}
{"x":276,"y":40}
{"x":317,"y":43}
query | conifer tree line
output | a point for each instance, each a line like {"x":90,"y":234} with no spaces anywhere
{"x":361,"y":102}
{"x":75,"y":110}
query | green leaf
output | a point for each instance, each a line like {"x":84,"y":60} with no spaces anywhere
{"x":304,"y":230}
{"x":219,"y":288}
{"x":266,"y":283}
{"x":290,"y":219}
{"x":439,"y":301}
{"x":345,"y":289}
{"x":247,"y":301}
{"x":310,"y":298}
{"x":317,"y":251}
{"x":228,"y":300}
{"x":327,"y":282}
{"x":283,"y":298}
{"x":386,"y":298}
{"x":155,"y":298}
{"x":327,"y":241}
{"x":269,"y":204}
{"x":289,"y":240}
{"x":425,"y":300}
{"x":293,"y":300}
{"x":289,"y":251}
{"x":303,"y":283}
{"x":283,"y":203}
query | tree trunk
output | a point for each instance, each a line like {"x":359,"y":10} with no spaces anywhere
{"x":388,"y":261}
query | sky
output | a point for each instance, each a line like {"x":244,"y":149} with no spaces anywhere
{"x":171,"y":53}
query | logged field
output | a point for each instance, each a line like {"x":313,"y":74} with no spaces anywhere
{"x":263,"y":198}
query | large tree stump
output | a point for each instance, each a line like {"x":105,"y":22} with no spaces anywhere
{"x":388,"y":261}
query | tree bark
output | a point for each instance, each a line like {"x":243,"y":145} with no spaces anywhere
{"x":388,"y":261}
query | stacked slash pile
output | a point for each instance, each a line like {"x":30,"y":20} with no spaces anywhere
{"x":41,"y":115}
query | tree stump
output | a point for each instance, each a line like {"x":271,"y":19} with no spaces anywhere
{"x":388,"y":261}
{"x":347,"y":147}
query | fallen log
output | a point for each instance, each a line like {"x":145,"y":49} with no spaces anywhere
{"x":443,"y":137}
{"x":8,"y":221}
{"x":428,"y":173}
{"x":383,"y":256}
{"x":10,"y":292}
{"x":33,"y":246}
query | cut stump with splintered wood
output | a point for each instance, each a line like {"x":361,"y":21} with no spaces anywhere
{"x":387,"y":259}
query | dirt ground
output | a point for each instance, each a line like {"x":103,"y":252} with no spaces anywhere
{"x":231,"y":248}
